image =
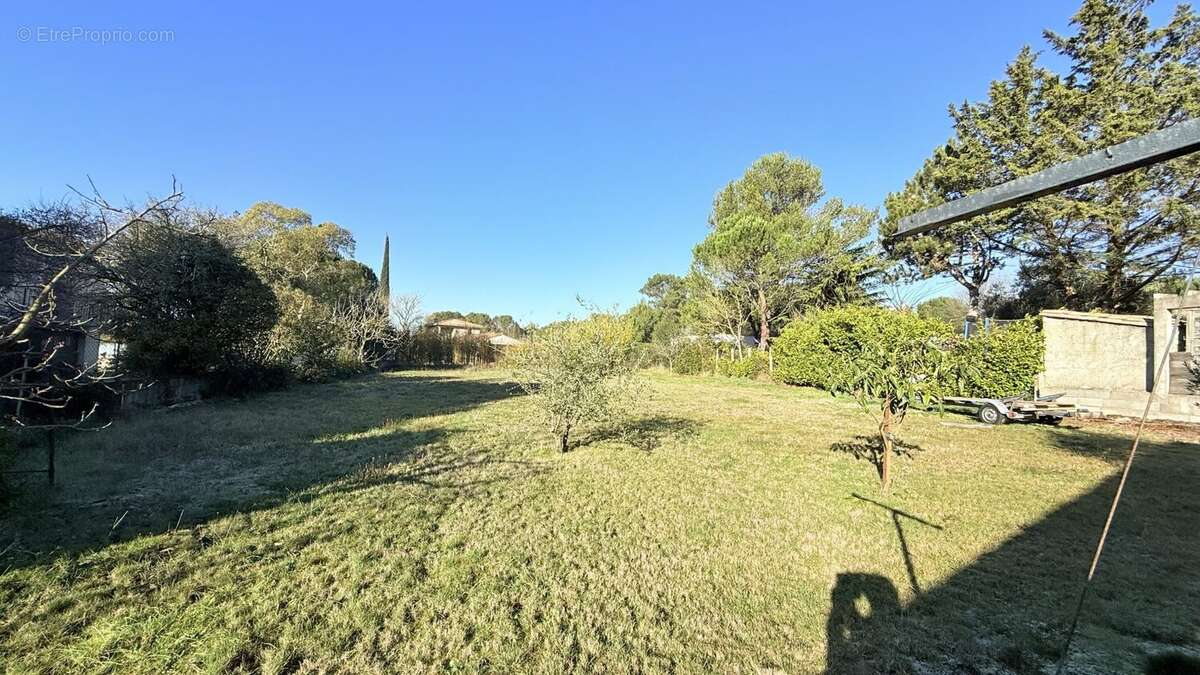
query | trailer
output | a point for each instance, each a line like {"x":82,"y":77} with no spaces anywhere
{"x":1045,"y":409}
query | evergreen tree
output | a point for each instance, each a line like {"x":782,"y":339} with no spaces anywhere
{"x":1100,"y":245}
{"x":385,"y":290}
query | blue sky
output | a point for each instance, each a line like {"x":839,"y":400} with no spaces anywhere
{"x":518,"y":154}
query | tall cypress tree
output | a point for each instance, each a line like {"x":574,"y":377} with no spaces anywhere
{"x":385,"y":290}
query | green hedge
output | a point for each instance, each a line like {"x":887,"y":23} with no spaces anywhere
{"x":752,"y":364}
{"x":808,"y":350}
{"x":1001,"y":362}
{"x":693,"y":358}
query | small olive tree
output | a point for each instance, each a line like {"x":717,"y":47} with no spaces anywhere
{"x":901,"y":366}
{"x":577,"y":371}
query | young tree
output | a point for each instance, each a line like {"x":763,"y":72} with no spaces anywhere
{"x":576,"y":371}
{"x":900,"y":366}
{"x":367,"y":333}
{"x":406,"y":313}
{"x":770,"y":238}
{"x":714,"y":308}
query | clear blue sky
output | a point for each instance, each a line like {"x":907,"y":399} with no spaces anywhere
{"x":518,"y":154}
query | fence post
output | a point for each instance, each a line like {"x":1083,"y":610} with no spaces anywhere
{"x":50,"y":455}
{"x":770,"y":360}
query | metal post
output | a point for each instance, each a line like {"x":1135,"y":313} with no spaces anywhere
{"x":50,"y":455}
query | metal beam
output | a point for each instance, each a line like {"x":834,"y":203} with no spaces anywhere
{"x":1159,"y":146}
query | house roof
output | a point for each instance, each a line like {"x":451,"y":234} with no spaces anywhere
{"x":504,"y":341}
{"x":457,"y":323}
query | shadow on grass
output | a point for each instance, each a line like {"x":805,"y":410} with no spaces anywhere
{"x":646,"y":434}
{"x":1009,"y":610}
{"x":308,"y":441}
{"x":870,"y":448}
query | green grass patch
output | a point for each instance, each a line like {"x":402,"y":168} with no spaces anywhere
{"x":420,"y":521}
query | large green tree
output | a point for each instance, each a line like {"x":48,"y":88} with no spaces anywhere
{"x":182,"y":302}
{"x":778,"y":242}
{"x":1101,"y":245}
{"x":951,"y":310}
{"x":310,"y":270}
{"x":659,"y":318}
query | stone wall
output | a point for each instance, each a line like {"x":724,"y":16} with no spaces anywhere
{"x":1105,"y":363}
{"x":1102,"y":352}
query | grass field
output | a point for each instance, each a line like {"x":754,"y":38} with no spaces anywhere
{"x":418,"y":521}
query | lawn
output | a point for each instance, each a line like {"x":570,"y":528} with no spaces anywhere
{"x":420,"y":521}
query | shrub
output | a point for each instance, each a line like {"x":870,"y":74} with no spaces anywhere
{"x":1000,"y":362}
{"x":691,"y":358}
{"x":240,"y":375}
{"x":186,"y":302}
{"x":576,"y":371}
{"x":811,"y":350}
{"x":753,"y":363}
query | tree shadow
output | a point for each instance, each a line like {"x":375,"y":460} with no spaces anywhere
{"x":1009,"y":610}
{"x":173,"y":472}
{"x":646,"y":434}
{"x":870,"y":448}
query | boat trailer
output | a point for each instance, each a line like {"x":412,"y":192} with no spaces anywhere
{"x":1044,"y":409}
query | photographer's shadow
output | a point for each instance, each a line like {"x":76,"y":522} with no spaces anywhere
{"x":862,"y":615}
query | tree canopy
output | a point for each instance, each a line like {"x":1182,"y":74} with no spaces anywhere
{"x":776,"y":243}
{"x":1101,"y":245}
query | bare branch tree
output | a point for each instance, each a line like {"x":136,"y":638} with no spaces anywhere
{"x":367,"y":332}
{"x":49,"y":253}
{"x":407,"y":314}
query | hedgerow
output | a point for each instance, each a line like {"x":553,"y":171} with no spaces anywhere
{"x":810,"y":349}
{"x":1001,"y":362}
{"x":753,"y":363}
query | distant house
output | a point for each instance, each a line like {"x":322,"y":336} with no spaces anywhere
{"x":503,"y":341}
{"x":728,"y":339}
{"x":724,"y":339}
{"x":455,"y":328}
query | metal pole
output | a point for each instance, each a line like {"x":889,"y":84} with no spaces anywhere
{"x":50,"y":455}
{"x":1112,"y":509}
{"x":1158,"y":146}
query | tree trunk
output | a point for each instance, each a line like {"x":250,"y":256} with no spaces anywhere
{"x":566,"y":437}
{"x":885,"y":434}
{"x":764,"y":326}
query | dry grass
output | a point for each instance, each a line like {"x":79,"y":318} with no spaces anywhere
{"x":416,"y":521}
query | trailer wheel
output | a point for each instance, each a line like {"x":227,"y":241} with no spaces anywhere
{"x":990,"y":414}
